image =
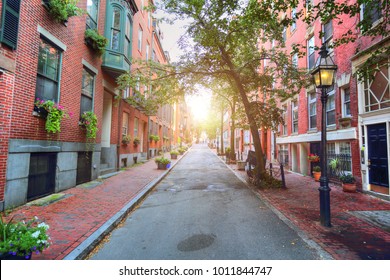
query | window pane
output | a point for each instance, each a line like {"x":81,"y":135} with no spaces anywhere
{"x":87,"y":84}
{"x":46,"y":89}
{"x":86,"y":104}
{"x":48,"y":61}
{"x":116,"y":19}
{"x":115,"y":40}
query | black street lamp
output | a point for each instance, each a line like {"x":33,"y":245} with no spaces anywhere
{"x":323,"y":73}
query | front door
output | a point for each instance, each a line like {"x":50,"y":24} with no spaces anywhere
{"x":377,"y":155}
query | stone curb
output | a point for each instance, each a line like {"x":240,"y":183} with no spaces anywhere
{"x":82,"y":250}
{"x":312,"y":244}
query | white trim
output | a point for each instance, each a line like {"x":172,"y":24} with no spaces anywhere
{"x":338,"y":135}
{"x":51,"y":38}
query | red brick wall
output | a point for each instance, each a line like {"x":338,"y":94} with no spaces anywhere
{"x":26,"y":126}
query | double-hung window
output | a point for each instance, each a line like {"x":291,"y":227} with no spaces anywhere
{"x":92,"y":13}
{"x":140,"y":32}
{"x":125,"y":123}
{"x":127,"y":42}
{"x":331,"y":108}
{"x":48,"y":74}
{"x":294,"y":107}
{"x":346,"y":102}
{"x":328,"y":34}
{"x":312,"y":110}
{"x":310,"y":53}
{"x":136,"y":124}
{"x":293,"y":18}
{"x":87,"y":91}
{"x":284,"y":115}
{"x":116,"y":29}
{"x":371,"y":11}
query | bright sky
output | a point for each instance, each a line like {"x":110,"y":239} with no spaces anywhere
{"x":200,"y":103}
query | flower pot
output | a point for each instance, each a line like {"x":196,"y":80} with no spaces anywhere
{"x":173,"y":156}
{"x":349,"y":187}
{"x":161,"y":166}
{"x":241,"y":165}
{"x":316,"y":176}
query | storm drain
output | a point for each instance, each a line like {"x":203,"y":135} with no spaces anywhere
{"x":196,"y":242}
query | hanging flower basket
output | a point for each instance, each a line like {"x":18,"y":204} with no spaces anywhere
{"x":313,"y":158}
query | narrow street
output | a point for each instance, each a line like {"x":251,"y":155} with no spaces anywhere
{"x":202,"y":211}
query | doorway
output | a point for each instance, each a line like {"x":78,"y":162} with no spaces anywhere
{"x":378,"y":164}
{"x":41,"y":178}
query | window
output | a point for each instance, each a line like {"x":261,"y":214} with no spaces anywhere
{"x":294,"y":107}
{"x":295,"y":60}
{"x":48,"y":74}
{"x":147,"y":51}
{"x":331,"y":109}
{"x":140,"y":39}
{"x":312,"y":110}
{"x":293,"y":17}
{"x":127,"y":46}
{"x":126,"y":93}
{"x":136,"y":124}
{"x":309,"y":5}
{"x":328,"y":34}
{"x":116,"y":29}
{"x":154,"y":55}
{"x":87,"y":91}
{"x":310,"y":53}
{"x":284,"y":115}
{"x":149,"y":19}
{"x":283,"y":154}
{"x":125,"y":124}
{"x":371,"y":12}
{"x":9,"y":24}
{"x":377,"y":88}
{"x":346,"y":102}
{"x":92,"y":13}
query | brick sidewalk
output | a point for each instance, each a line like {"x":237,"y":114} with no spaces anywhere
{"x":84,"y":210}
{"x":349,"y":238}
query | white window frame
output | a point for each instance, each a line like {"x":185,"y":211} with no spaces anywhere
{"x":331,"y":93}
{"x":140,"y":35}
{"x":344,"y":102}
{"x":125,"y":123}
{"x":294,"y":107}
{"x":310,"y":102}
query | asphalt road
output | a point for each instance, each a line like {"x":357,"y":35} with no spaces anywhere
{"x":201,"y":211}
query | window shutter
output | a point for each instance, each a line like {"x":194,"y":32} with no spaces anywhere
{"x":10,"y":22}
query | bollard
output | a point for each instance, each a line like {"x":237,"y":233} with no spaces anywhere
{"x":282,"y":174}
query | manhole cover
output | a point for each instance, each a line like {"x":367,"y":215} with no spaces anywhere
{"x":196,"y":242}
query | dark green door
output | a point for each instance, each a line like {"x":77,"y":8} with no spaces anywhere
{"x":377,"y":155}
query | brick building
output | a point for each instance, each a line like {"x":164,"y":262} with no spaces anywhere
{"x":41,"y":57}
{"x":355,"y":129}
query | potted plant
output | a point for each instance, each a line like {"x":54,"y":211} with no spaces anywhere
{"x":174,"y":154}
{"x":156,"y":138}
{"x":151,"y":137}
{"x":96,"y":41}
{"x":316,"y":173}
{"x":136,"y":141}
{"x":126,"y":139}
{"x":181,"y":150}
{"x":162,"y":162}
{"x":348,"y":182}
{"x":62,"y":10}
{"x":53,"y":112}
{"x":18,"y":240}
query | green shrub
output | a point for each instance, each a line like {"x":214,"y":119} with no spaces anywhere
{"x":97,"y":41}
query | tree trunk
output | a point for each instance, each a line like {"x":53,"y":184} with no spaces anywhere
{"x":222,"y":148}
{"x":260,"y":172}
{"x":232,"y":155}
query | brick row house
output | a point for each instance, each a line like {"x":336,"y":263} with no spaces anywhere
{"x":51,"y":60}
{"x":357,"y":114}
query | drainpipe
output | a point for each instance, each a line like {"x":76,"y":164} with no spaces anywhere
{"x":118,"y":145}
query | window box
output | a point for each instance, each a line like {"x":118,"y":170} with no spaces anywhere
{"x":345,"y":122}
